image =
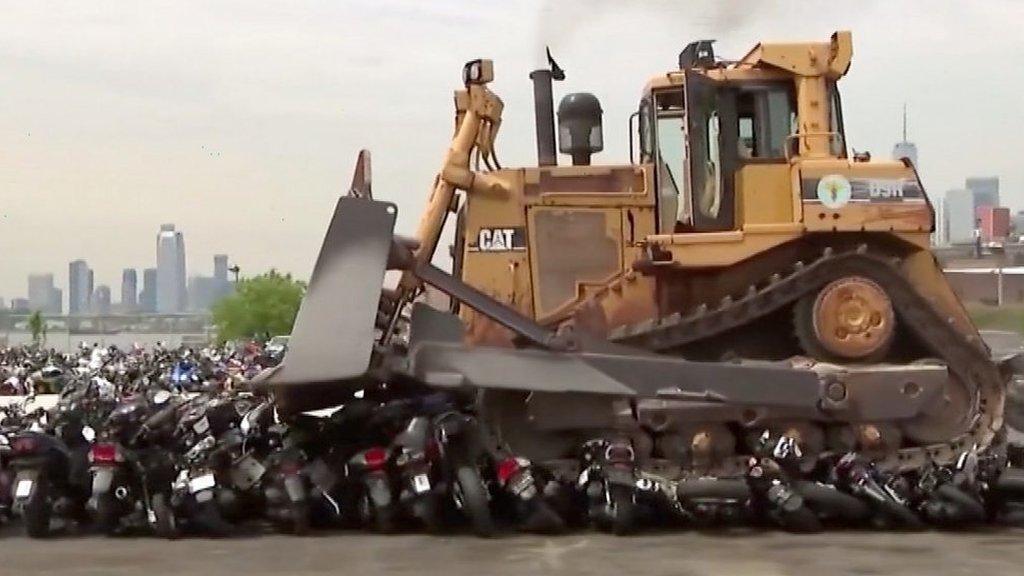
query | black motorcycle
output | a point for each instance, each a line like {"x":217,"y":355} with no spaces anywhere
{"x":51,"y":473}
{"x":132,"y":469}
{"x":461,"y":456}
{"x":608,"y":479}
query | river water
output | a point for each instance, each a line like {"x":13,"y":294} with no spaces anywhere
{"x":64,"y":341}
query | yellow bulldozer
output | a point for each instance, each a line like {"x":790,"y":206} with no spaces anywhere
{"x":742,"y":273}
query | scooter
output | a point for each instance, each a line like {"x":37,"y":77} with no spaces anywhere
{"x":51,"y":474}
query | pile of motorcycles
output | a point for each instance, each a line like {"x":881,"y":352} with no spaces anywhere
{"x":162,"y":449}
{"x":169,"y":462}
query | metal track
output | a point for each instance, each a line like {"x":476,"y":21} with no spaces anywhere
{"x":965,"y":356}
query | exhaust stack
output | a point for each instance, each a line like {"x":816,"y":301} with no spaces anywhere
{"x":544,"y":110}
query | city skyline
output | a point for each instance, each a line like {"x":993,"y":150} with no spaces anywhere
{"x":86,"y":295}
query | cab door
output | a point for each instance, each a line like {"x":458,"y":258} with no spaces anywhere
{"x":712,"y":151}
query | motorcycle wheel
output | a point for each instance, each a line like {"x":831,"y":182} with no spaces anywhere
{"x":899,"y":516}
{"x":38,"y":510}
{"x":801,"y":521}
{"x":428,"y":511}
{"x":209,"y":519}
{"x":383,"y":519}
{"x":164,"y":523}
{"x":108,"y":517}
{"x":299,"y":519}
{"x":622,"y":510}
{"x":472,"y":495}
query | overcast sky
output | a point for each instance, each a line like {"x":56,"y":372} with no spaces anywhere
{"x":239,"y":120}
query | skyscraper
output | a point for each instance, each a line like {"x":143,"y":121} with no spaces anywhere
{"x":101,"y":300}
{"x":205,"y":291}
{"x":57,"y":301}
{"x":959,"y":214}
{"x":79,"y":287}
{"x":170,"y":270}
{"x":985,"y":190}
{"x":42,"y":295}
{"x":147,"y":298}
{"x":939,"y":237}
{"x":220,"y":267}
{"x":129,"y":289}
{"x":905,"y":148}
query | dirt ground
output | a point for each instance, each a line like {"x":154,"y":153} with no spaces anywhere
{"x":987,"y":553}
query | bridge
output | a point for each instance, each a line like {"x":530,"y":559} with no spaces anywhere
{"x":183,"y":323}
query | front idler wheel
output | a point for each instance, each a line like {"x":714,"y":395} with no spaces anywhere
{"x":848,"y":320}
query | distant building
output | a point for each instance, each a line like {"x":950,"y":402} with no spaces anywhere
{"x":57,"y":301}
{"x":205,"y":291}
{"x":985,"y":191}
{"x":101,"y":300}
{"x":20,"y":306}
{"x":993,"y":223}
{"x":171,"y":292}
{"x":42,"y":295}
{"x":958,"y":209}
{"x":1017,"y":223}
{"x":220,"y":267}
{"x":939,"y":236}
{"x":129,"y":289}
{"x":147,"y":297}
{"x":905,"y":148}
{"x":79,"y":287}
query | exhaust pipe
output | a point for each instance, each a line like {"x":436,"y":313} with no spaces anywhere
{"x":544,"y":109}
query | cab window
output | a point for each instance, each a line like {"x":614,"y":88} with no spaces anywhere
{"x":838,"y":144}
{"x":671,"y":159}
{"x":766,"y":118}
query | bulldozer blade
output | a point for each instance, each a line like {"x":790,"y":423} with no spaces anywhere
{"x":333,"y":335}
{"x":362,"y":179}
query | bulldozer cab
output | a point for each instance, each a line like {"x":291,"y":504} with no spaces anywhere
{"x":707,"y":136}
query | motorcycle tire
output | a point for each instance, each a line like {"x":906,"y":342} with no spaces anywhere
{"x":164,"y":525}
{"x":472,"y":495}
{"x":108,"y":515}
{"x":428,"y":511}
{"x":539,"y":518}
{"x":831,"y":503}
{"x":380,"y":519}
{"x":209,"y":519}
{"x":899,"y":516}
{"x":38,"y":510}
{"x":800,"y":521}
{"x":299,"y":513}
{"x":622,"y":511}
